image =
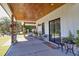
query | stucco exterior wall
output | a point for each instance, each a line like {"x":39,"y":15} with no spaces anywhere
{"x":69,"y":19}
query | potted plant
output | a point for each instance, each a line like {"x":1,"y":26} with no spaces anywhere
{"x":77,"y":39}
{"x":70,"y":38}
{"x":77,"y":43}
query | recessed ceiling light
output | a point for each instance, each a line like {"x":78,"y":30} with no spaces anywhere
{"x":52,"y":4}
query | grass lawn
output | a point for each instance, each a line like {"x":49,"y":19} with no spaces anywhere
{"x":4,"y":48}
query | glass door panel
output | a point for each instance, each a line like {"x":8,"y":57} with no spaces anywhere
{"x":57,"y":29}
{"x":52,"y":30}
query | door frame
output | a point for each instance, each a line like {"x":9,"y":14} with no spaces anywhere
{"x":54,"y":29}
{"x":43,"y":28}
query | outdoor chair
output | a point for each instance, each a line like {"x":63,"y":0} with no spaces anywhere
{"x":69,"y":45}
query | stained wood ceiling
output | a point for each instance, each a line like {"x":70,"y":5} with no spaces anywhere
{"x":32,"y":11}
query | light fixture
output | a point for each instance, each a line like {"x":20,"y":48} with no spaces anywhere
{"x":52,"y":4}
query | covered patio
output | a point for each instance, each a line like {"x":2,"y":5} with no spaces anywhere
{"x":43,"y":28}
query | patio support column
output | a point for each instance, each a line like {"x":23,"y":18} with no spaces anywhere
{"x":13,"y":30}
{"x":24,"y":29}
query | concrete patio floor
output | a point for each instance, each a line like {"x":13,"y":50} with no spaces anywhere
{"x":34,"y":47}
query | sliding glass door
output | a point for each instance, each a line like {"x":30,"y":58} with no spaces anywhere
{"x":54,"y":29}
